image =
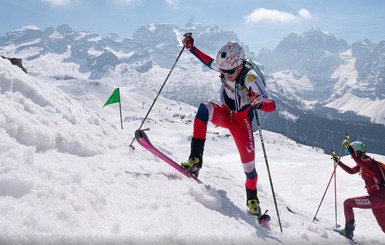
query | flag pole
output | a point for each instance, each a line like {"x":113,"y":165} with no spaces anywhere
{"x":121,"y":119}
{"x":114,"y":98}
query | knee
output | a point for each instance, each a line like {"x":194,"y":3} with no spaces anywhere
{"x":347,"y":203}
{"x":251,"y":175}
{"x":203,"y":113}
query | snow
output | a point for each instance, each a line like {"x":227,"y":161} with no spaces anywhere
{"x":288,"y":115}
{"x":69,"y":176}
{"x":28,"y":27}
{"x":297,"y":85}
{"x":346,"y":101}
{"x":369,"y":107}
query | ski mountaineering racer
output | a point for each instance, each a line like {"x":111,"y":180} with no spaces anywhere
{"x":373,"y":176}
{"x":242,"y":92}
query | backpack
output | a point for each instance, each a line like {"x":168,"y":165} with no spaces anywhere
{"x":250,"y":65}
{"x":380,"y":182}
{"x":381,"y":165}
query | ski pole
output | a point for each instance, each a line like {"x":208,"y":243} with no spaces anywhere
{"x":268,"y":169}
{"x":335,"y":188}
{"x":335,"y":196}
{"x":327,"y":187}
{"x":160,"y":90}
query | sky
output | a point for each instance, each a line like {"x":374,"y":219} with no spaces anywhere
{"x":68,"y":175}
{"x":258,"y":23}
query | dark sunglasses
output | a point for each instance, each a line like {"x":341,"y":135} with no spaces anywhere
{"x":230,"y":72}
{"x":360,"y":153}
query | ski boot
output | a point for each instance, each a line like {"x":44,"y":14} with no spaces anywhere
{"x":255,"y":209}
{"x":192,"y":166}
{"x":348,"y":231}
{"x":253,"y":204}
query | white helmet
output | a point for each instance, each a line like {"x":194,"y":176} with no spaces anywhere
{"x":230,"y":56}
{"x":358,"y":146}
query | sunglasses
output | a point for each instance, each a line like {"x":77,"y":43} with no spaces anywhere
{"x":360,"y":153}
{"x":230,"y":72}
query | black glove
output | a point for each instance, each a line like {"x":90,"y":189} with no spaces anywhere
{"x":188,"y":41}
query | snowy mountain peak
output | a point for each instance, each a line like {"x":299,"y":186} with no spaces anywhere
{"x":309,"y":72}
{"x":23,"y":35}
{"x":316,"y":31}
{"x":64,"y":30}
{"x":311,"y":42}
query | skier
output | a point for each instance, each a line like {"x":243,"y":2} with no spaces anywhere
{"x":241,"y":93}
{"x":371,"y":174}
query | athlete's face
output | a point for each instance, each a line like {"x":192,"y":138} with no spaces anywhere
{"x":232,"y":74}
{"x":360,"y":154}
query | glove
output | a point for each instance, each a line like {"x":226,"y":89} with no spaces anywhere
{"x":188,"y":41}
{"x":256,"y":100}
{"x":345,"y":142}
{"x":334,"y":157}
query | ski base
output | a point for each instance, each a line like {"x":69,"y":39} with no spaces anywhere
{"x":144,"y":141}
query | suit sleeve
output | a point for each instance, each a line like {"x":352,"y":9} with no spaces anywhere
{"x":204,"y":58}
{"x":365,"y":163}
{"x":254,"y":82}
{"x":348,"y":169}
{"x":268,"y":106}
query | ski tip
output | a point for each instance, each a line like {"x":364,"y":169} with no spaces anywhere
{"x":290,"y":210}
{"x":264,"y":218}
{"x":140,"y":134}
{"x":264,"y":221}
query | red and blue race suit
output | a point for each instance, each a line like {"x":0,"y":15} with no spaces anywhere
{"x":236,"y":114}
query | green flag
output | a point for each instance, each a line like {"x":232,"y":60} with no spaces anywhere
{"x":114,"y":98}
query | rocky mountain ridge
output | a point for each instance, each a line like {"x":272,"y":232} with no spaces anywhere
{"x":313,"y":75}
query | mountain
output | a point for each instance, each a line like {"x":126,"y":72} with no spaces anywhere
{"x":321,"y":70}
{"x":370,"y":66}
{"x":68,"y":175}
{"x":319,"y":82}
{"x":310,"y":58}
{"x":323,"y":87}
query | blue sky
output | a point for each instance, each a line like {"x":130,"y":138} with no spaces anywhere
{"x":258,"y":23}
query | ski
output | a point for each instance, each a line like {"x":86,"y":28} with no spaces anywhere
{"x":290,"y":210}
{"x":342,"y":234}
{"x":264,"y":220}
{"x":144,"y":141}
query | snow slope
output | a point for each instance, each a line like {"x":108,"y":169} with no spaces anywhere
{"x":68,"y":175}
